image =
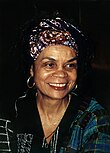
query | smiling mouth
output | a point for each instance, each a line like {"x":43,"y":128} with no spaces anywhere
{"x":59,"y":85}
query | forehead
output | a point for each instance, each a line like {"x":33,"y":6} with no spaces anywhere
{"x":58,"y":51}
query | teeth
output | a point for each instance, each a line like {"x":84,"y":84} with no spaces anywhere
{"x":57,"y":85}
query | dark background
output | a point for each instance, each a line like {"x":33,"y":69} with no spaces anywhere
{"x":92,"y":15}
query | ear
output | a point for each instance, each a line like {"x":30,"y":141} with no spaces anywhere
{"x":32,"y":71}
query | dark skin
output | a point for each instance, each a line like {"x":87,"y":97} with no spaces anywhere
{"x":55,"y":74}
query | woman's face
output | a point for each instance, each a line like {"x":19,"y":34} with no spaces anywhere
{"x":55,"y":71}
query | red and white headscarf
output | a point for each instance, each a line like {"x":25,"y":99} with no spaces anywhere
{"x":51,"y":32}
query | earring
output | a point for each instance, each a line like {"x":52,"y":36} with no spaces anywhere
{"x":74,"y":89}
{"x":30,"y":82}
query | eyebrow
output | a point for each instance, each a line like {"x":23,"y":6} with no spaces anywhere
{"x":51,"y":58}
{"x":72,"y":59}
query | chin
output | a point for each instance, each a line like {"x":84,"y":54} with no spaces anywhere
{"x":58,"y":96}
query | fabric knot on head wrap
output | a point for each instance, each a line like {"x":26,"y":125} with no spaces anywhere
{"x":50,"y":32}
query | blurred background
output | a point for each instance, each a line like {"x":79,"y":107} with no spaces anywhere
{"x":93,"y":16}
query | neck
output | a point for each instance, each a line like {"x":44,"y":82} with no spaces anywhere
{"x":51,"y":106}
{"x":51,"y":112}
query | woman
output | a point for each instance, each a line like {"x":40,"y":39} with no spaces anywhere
{"x":51,"y":117}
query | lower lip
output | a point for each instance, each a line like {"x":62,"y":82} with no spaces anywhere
{"x":58,"y":88}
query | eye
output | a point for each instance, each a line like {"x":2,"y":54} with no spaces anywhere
{"x":71,"y":66}
{"x":50,"y":65}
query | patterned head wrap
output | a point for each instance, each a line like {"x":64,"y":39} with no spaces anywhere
{"x":51,"y":32}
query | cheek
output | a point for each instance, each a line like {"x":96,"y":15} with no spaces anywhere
{"x":74,"y":75}
{"x":40,"y":76}
{"x":73,"y":80}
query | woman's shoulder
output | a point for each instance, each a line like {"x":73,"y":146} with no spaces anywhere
{"x":98,"y":111}
{"x":24,"y":102}
{"x":90,"y":111}
{"x":90,"y":104}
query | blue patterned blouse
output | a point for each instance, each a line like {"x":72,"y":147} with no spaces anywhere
{"x":90,"y":131}
{"x":85,"y":128}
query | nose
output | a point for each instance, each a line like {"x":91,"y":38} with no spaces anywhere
{"x":60,"y":74}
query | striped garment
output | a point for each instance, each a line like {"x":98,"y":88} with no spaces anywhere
{"x":89,"y":131}
{"x":5,"y":132}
